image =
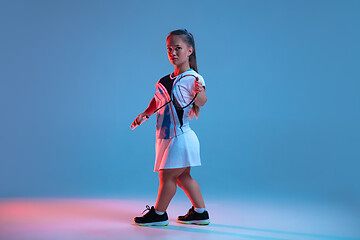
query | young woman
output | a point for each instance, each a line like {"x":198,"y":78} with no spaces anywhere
{"x":177,"y":146}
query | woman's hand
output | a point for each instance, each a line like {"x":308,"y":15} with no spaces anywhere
{"x":145,"y":115}
{"x":142,"y":117}
{"x":139,"y":119}
{"x":201,"y":96}
{"x":199,"y":87}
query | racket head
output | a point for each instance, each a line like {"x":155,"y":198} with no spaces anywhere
{"x":183,"y":93}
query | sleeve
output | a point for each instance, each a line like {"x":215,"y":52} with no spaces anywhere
{"x":157,"y":96}
{"x":161,"y":96}
{"x":184,"y":91}
{"x":190,"y":84}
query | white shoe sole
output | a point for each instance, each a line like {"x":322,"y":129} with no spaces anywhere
{"x":199,"y":222}
{"x":162,"y":223}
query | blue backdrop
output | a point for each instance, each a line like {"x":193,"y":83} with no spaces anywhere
{"x":282,"y":77}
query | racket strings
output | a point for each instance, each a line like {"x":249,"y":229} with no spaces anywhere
{"x":181,"y":103}
{"x":177,"y":96}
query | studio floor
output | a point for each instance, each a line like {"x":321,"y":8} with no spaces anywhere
{"x":112,"y":218}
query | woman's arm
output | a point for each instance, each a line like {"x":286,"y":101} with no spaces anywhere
{"x":148,"y":112}
{"x":201,"y":97}
{"x":151,"y":108}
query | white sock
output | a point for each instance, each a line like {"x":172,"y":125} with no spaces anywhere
{"x":159,"y":213}
{"x":199,"y":210}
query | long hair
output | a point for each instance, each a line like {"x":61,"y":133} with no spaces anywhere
{"x":188,"y":38}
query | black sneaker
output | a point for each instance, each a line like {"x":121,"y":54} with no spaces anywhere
{"x":151,"y":218}
{"x":193,"y":217}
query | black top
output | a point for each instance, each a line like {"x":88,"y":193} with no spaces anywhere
{"x":167,"y":82}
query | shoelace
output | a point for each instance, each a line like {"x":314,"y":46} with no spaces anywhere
{"x":147,"y":209}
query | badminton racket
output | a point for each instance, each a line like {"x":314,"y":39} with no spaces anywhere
{"x":181,"y":96}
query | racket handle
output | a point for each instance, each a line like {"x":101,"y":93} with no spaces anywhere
{"x":134,"y":124}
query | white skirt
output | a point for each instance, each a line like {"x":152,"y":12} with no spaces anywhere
{"x":177,"y":152}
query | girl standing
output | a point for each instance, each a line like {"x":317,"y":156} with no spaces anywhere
{"x":177,"y":146}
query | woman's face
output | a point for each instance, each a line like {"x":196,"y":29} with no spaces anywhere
{"x":178,"y":51}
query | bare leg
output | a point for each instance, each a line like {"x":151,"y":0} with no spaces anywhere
{"x":167,"y":187}
{"x":191,"y":188}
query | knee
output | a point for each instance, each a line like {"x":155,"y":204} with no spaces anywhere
{"x":164,"y":179}
{"x":178,"y":182}
{"x":183,"y":179}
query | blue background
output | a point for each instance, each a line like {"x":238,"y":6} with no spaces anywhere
{"x":282,"y":77}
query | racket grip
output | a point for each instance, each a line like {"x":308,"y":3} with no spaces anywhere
{"x":134,"y":124}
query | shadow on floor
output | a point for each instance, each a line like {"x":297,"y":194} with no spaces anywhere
{"x":202,"y":229}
